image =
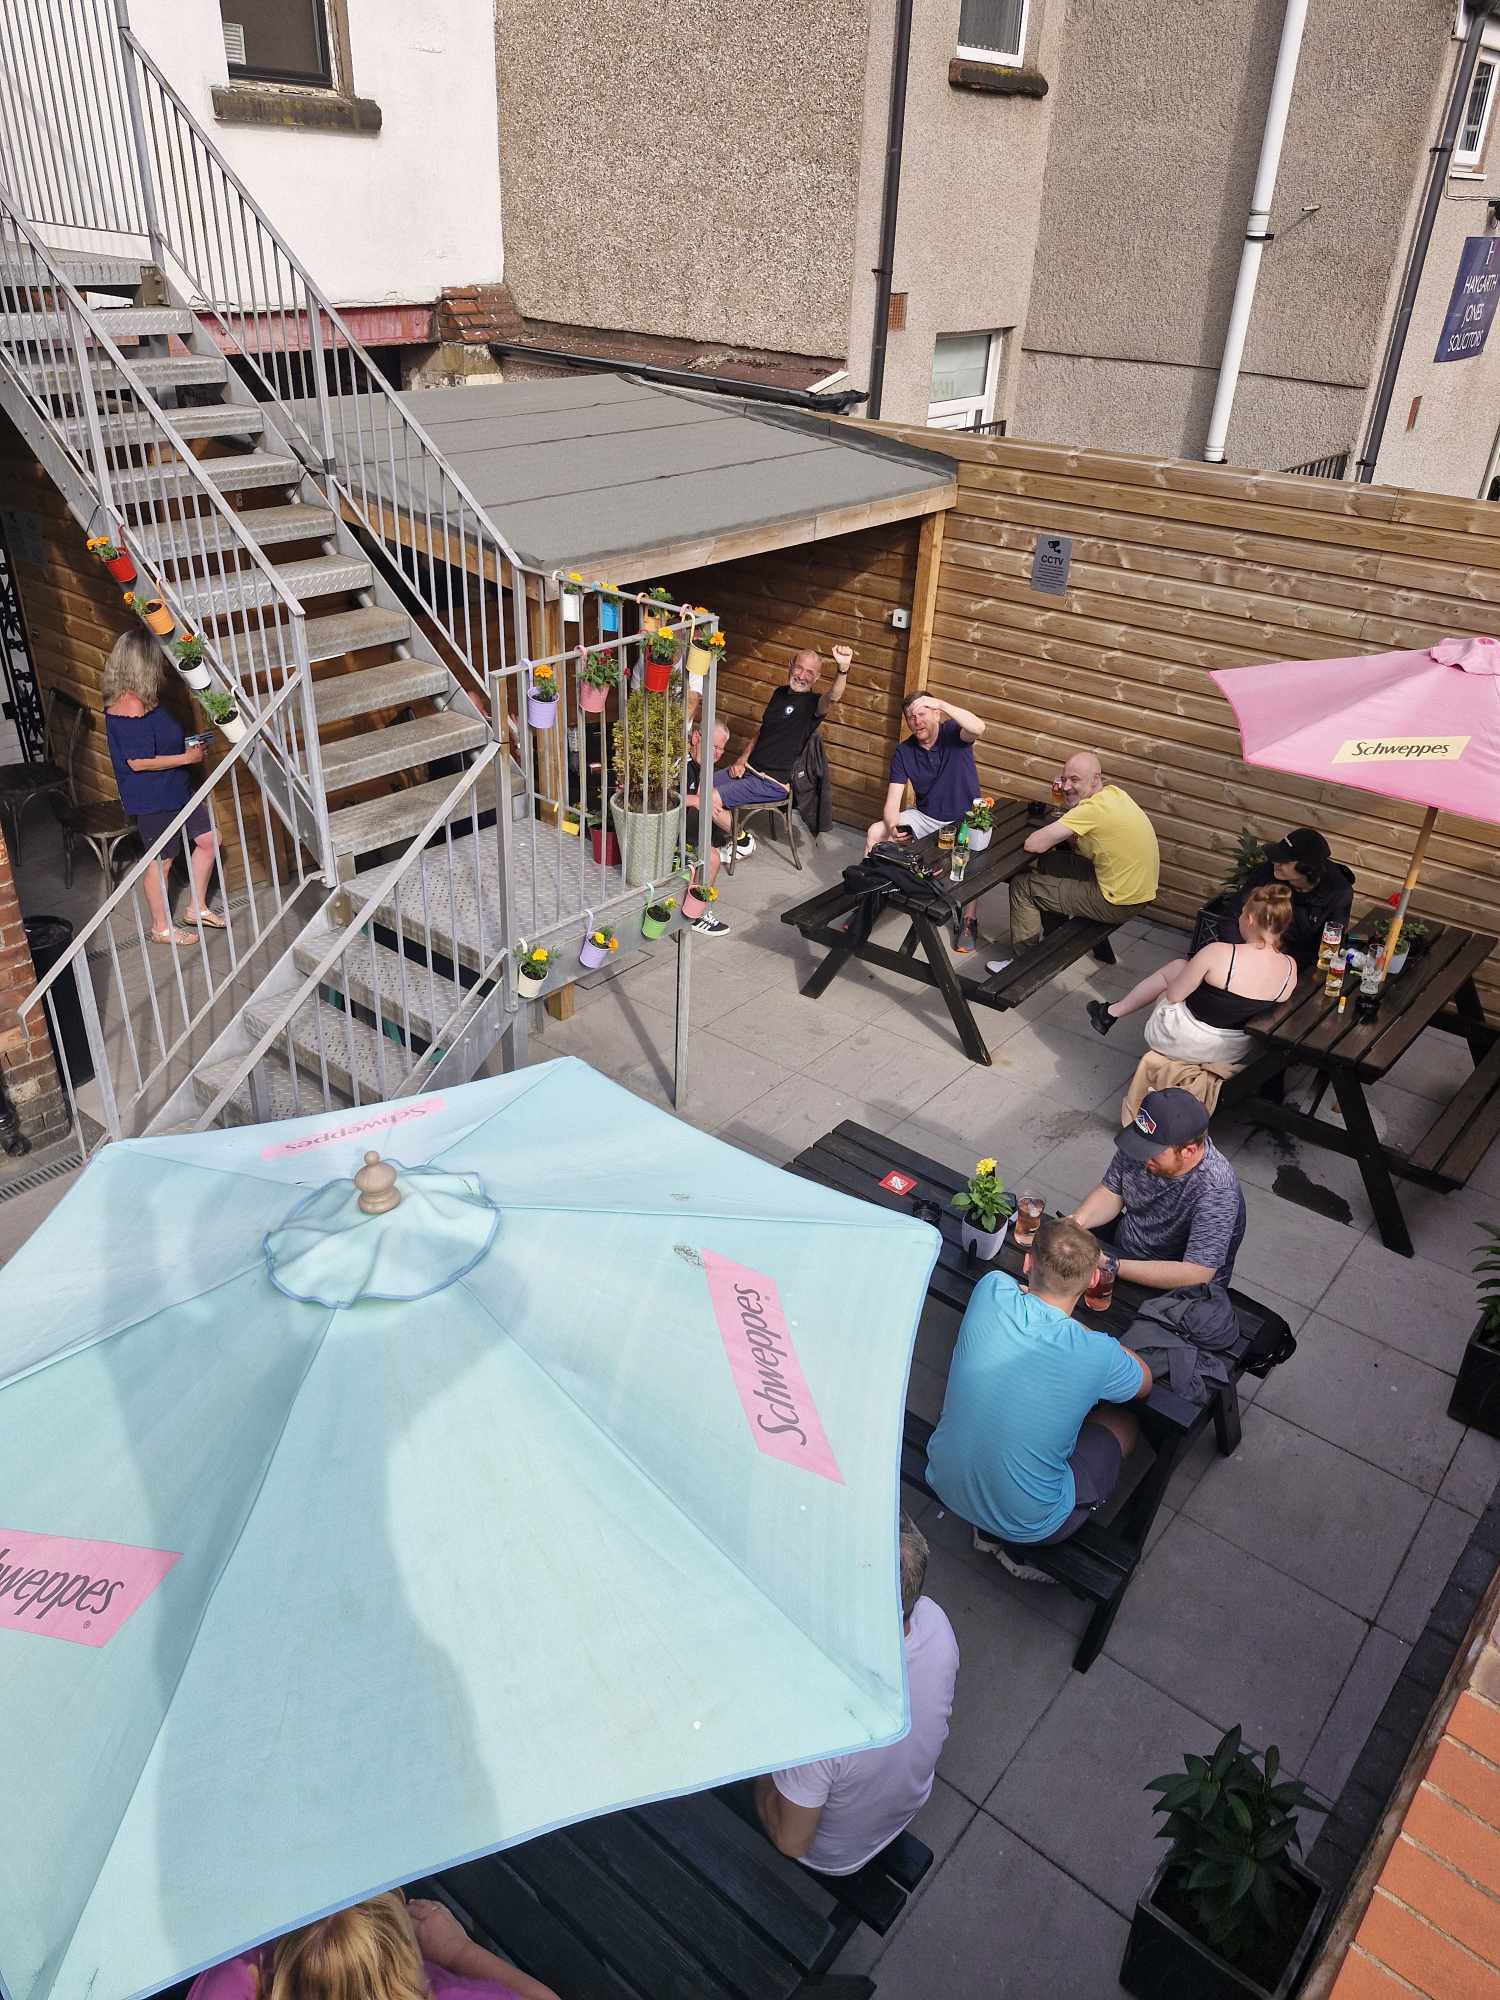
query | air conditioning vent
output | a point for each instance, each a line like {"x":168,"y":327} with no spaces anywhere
{"x":234,"y":44}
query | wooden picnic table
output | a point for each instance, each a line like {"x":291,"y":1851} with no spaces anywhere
{"x":844,"y":919}
{"x":1436,"y":990}
{"x":1099,"y":1561}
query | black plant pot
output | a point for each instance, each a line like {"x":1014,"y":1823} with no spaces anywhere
{"x":1165,"y":1962}
{"x":1476,"y":1393}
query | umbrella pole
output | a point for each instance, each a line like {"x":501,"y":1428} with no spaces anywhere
{"x":1393,"y":935}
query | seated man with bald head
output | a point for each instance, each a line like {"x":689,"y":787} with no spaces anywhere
{"x":762,"y":773}
{"x":1098,"y":859}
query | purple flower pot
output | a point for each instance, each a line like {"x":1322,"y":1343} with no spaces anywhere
{"x":593,"y":955}
{"x":540,"y":714}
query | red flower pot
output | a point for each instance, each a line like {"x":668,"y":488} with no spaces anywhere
{"x":658,"y":676}
{"x":121,"y":568}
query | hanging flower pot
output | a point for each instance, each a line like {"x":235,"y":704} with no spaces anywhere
{"x":601,"y":672}
{"x":658,"y":676}
{"x":699,"y":660}
{"x":222,"y":710}
{"x":596,"y":947}
{"x":656,"y":916}
{"x":188,"y":653}
{"x":116,"y":562}
{"x":541,"y":698}
{"x":609,"y":614}
{"x":532,"y":967}
{"x":152,"y":613}
{"x":572,"y":598}
{"x":695,"y":901}
{"x":661,"y":658}
{"x":592,"y":700}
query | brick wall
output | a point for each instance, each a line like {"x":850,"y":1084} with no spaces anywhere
{"x":31,"y":1078}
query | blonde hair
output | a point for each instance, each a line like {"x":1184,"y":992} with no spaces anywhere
{"x":133,"y":667}
{"x":369,"y":1952}
{"x":1063,"y":1257}
{"x":1269,"y":908}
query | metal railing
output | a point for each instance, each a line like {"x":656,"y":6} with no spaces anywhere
{"x":145,"y":1034}
{"x":1335,"y":466}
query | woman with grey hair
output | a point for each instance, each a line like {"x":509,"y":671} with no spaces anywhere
{"x":151,"y":758}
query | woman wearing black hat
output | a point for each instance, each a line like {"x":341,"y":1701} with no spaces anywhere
{"x":1322,"y":890}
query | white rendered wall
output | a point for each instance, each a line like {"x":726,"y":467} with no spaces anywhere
{"x":384,"y":218}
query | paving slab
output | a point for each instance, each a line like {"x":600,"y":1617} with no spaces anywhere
{"x":1332,"y":1521}
{"x":1412,"y":1303}
{"x":1350,"y":1720}
{"x":1075,"y":1790}
{"x":1436,"y":1547}
{"x":1077,"y":1165}
{"x":1472,"y":1477}
{"x":1002,"y":1923}
{"x":886,"y":1071}
{"x":790,"y":1117}
{"x":941,"y":1823}
{"x":1384,"y":1406}
{"x":723,"y":1080}
{"x":1449,"y":1228}
{"x":1290,"y":1250}
{"x":1063,"y":1067}
{"x":987,"y":1112}
{"x":782,"y":1025}
{"x":1245,"y":1642}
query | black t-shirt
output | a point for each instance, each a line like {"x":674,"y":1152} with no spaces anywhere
{"x":786,"y":728}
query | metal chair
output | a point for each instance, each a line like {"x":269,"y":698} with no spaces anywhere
{"x":48,"y":777}
{"x":780,"y":807}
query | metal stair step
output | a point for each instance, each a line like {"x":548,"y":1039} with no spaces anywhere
{"x":327,"y":638}
{"x":137,"y":427}
{"x":137,"y":485}
{"x":328,"y":1042}
{"x":174,"y":541}
{"x":283,"y":1100}
{"x":354,"y":760}
{"x":85,"y":270}
{"x":168,"y":371}
{"x":338,"y":696}
{"x":396,"y":817}
{"x":415,"y":999}
{"x":318,"y":576}
{"x":120,"y":322}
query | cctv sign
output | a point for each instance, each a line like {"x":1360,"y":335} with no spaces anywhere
{"x":1476,"y":291}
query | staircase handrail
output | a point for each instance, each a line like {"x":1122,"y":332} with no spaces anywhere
{"x":485,"y":528}
{"x":239,"y":754}
{"x":350,"y":934}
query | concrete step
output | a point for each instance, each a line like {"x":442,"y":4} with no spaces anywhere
{"x":177,"y":541}
{"x":125,"y":430}
{"x":284,"y":1100}
{"x":413,"y":998}
{"x":119,"y":322}
{"x":137,"y":485}
{"x":384,"y":822}
{"x":327,"y":638}
{"x":317,"y":576}
{"x":329,"y":1043}
{"x":338,"y":696}
{"x":355,"y":760}
{"x":173,"y":371}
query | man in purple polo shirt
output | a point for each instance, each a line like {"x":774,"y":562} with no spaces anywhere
{"x":937,"y":761}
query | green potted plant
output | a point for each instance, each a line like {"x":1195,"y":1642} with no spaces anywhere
{"x":1249,"y":853}
{"x":188,"y":653}
{"x":599,"y":673}
{"x":657,"y":915}
{"x":661,"y":658}
{"x":541,"y":696}
{"x":1229,"y":1915}
{"x":223,"y":711}
{"x":597,"y":946}
{"x":1476,"y":1392}
{"x":986,"y":1206}
{"x":655,"y":605}
{"x":649,"y":749}
{"x":981,"y":824}
{"x":1413,"y":938}
{"x":104,"y":549}
{"x":533,"y":963}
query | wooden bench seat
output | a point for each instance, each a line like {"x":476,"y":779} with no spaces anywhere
{"x":1034,"y":969}
{"x":1459,"y":1140}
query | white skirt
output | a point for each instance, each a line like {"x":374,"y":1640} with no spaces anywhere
{"x":1173,"y":1032}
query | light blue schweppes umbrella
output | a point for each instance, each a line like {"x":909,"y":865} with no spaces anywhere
{"x":338,"y":1546}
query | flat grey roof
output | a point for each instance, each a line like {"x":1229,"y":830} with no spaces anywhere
{"x":622,"y":478}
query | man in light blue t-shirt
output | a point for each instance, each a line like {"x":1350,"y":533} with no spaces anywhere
{"x":1027,"y":1446}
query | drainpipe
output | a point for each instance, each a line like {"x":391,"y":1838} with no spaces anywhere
{"x":890,"y":204}
{"x":1258,"y":229}
{"x":1437,"y":180}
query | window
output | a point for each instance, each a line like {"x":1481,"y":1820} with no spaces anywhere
{"x":965,"y":374}
{"x":278,"y":41}
{"x":992,"y":30}
{"x":1469,"y":144}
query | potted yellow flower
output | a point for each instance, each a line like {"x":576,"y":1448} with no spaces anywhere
{"x":152,"y":613}
{"x":981,"y":824}
{"x":107,"y":551}
{"x":541,"y":696}
{"x":657,"y":915}
{"x":597,"y":946}
{"x":533,"y":963}
{"x":654,"y":607}
{"x":986,"y":1208}
{"x":661,"y":657}
{"x":609,"y":609}
{"x":696,"y":898}
{"x":572,"y":598}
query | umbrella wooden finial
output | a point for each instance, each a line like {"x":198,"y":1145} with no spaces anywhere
{"x":376,"y":1181}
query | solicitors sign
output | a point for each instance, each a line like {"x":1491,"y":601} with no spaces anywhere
{"x":1476,"y":292}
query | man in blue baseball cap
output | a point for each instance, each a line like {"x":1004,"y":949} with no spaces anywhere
{"x":1170,"y":1203}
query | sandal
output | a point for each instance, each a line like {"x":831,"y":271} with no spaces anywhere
{"x":174,"y":937}
{"x":209,"y":919}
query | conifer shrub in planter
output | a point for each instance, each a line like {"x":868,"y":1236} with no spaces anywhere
{"x":1229,"y":1914}
{"x":1476,"y":1392}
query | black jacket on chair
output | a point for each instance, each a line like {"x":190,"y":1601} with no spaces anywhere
{"x":812,"y":790}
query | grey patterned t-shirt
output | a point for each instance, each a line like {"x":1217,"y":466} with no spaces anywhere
{"x":1192,"y":1220}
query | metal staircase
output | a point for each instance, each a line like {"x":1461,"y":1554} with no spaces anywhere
{"x":390,"y":827}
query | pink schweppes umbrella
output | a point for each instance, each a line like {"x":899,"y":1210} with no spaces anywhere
{"x":1422,"y":726}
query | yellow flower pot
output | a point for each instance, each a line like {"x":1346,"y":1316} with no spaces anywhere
{"x":699,"y":660}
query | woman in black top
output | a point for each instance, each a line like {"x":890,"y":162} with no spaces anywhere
{"x":1200,"y":1005}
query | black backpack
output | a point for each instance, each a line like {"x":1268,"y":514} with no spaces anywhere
{"x":890,"y":869}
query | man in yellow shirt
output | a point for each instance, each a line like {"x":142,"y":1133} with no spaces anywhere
{"x":1110,"y":870}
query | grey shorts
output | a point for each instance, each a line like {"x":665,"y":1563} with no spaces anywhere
{"x":1096,"y":1461}
{"x":920,"y":823}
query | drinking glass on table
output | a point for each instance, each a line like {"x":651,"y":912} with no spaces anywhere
{"x":1030,"y":1209}
{"x":945,"y":839}
{"x":1101,"y":1291}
